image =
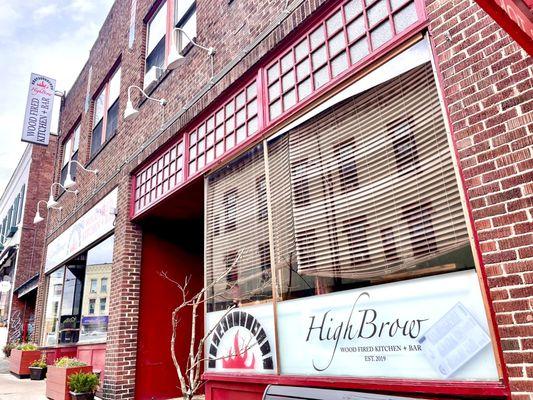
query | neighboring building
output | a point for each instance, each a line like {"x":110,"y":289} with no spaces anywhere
{"x":22,"y":241}
{"x":353,"y":176}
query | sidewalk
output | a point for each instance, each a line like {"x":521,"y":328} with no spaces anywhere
{"x":12,"y":388}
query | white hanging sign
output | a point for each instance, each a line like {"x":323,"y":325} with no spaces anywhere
{"x":36,"y":128}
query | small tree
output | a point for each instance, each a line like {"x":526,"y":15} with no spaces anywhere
{"x":189,"y":375}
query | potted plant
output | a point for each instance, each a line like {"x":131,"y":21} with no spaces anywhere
{"x":38,"y":369}
{"x":21,"y":357}
{"x":83,"y":385}
{"x":57,"y":377}
{"x":7,"y":349}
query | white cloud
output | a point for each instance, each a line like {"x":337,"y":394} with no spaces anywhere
{"x":57,"y":50}
{"x":45,"y":11}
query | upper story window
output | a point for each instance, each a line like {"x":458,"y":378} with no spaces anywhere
{"x":105,"y":120}
{"x":70,"y":153}
{"x":160,"y":28}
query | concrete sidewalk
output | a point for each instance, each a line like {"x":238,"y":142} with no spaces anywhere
{"x":12,"y":388}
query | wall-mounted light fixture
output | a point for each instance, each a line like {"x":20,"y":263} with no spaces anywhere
{"x":52,"y":203}
{"x":69,"y":182}
{"x":130,"y":112}
{"x":175,"y":58}
{"x":38,"y":217}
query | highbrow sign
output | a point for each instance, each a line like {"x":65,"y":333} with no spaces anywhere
{"x":38,"y":115}
{"x":427,"y":328}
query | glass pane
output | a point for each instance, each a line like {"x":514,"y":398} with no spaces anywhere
{"x":289,"y":99}
{"x":303,"y":69}
{"x":359,"y":50}
{"x":334,"y":23}
{"x":252,"y":125}
{"x":96,"y":139}
{"x":274,"y":91}
{"x":317,"y":37}
{"x":339,"y":64}
{"x":157,"y":28}
{"x":240,"y":100}
{"x":114,"y":87}
{"x":190,"y":29}
{"x":251,"y":91}
{"x":112,"y":121}
{"x":287,"y":62}
{"x":67,"y":149}
{"x":319,"y":57}
{"x":76,"y":135}
{"x":230,"y":108}
{"x":69,"y":322}
{"x":94,"y":320}
{"x":99,"y":107}
{"x":395,"y":4}
{"x":287,"y":81}
{"x":181,"y":7}
{"x":156,"y":58}
{"x":304,"y":88}
{"x":301,"y":50}
{"x":53,"y":301}
{"x":336,"y":44}
{"x":252,"y":108}
{"x":405,"y":18}
{"x":377,"y":12}
{"x":356,"y":28}
{"x":321,"y":77}
{"x":352,"y":8}
{"x":381,"y":35}
{"x":275,"y":109}
{"x":273,"y":73}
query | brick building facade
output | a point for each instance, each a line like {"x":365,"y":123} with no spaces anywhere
{"x":23,"y":240}
{"x":484,"y":80}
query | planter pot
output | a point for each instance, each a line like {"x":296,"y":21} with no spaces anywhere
{"x":81,"y":396}
{"x":57,"y":381}
{"x":19,"y":362}
{"x":37,"y":373}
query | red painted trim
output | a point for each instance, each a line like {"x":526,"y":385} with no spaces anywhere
{"x":482,"y":270}
{"x":502,"y":18}
{"x":259,"y":74}
{"x":481,"y":390}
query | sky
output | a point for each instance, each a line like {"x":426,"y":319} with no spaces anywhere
{"x":48,"y":37}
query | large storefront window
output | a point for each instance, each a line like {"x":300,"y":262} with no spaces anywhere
{"x":76,"y":308}
{"x":355,"y":219}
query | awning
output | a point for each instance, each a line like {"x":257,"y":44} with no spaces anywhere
{"x":28,"y":286}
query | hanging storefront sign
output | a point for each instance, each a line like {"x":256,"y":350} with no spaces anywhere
{"x":36,"y":127}
{"x":242,"y":340}
{"x":426,"y":328}
{"x":94,"y":224}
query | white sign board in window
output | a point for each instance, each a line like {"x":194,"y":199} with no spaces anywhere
{"x":36,"y":128}
{"x":93,"y":225}
{"x":377,"y":331}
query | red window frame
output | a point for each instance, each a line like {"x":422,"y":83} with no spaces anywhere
{"x":265,"y":123}
{"x":104,"y":89}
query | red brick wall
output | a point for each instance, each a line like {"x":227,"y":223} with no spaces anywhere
{"x":32,"y":237}
{"x":488,"y":85}
{"x":485,"y":86}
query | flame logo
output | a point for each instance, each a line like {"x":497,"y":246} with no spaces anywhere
{"x":237,"y":358}
{"x":43,"y":84}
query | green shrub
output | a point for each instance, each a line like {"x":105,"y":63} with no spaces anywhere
{"x":41,"y":363}
{"x":83,"y":382}
{"x":7,"y":349}
{"x":67,"y":362}
{"x":27,"y":347}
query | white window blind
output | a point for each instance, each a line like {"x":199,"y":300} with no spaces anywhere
{"x":378,"y":192}
{"x":364,"y":190}
{"x":237,"y":228}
